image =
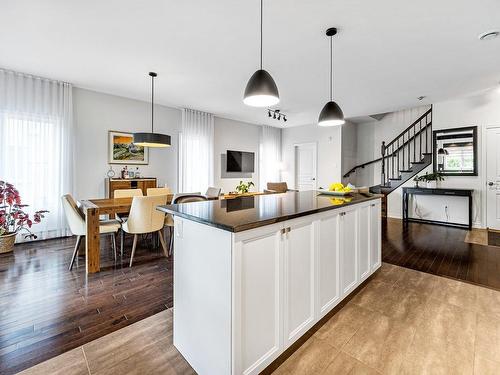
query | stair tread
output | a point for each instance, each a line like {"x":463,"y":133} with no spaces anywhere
{"x":426,"y":153}
{"x":406,"y":170}
{"x":418,"y":162}
{"x":396,"y":179}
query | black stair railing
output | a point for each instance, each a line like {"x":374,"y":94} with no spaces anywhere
{"x":397,"y":154}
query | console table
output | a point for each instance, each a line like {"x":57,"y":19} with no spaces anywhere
{"x":407,"y":191}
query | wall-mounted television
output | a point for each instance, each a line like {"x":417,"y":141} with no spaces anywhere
{"x":240,"y":161}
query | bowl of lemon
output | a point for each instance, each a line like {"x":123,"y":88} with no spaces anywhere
{"x":338,"y":189}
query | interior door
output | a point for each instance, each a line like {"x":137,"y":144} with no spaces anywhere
{"x":305,"y":166}
{"x":493,"y":178}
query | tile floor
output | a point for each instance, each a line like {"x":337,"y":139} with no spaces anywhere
{"x":402,"y":322}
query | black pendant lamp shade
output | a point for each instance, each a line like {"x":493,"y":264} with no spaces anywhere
{"x":152,"y":139}
{"x":331,"y":114}
{"x":261,"y":90}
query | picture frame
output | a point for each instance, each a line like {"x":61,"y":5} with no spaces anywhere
{"x":121,"y":149}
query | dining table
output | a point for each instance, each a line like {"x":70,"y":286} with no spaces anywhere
{"x":92,"y":209}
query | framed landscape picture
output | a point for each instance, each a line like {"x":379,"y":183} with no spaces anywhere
{"x":122,"y":150}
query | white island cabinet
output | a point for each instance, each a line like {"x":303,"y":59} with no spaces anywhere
{"x":242,"y":297}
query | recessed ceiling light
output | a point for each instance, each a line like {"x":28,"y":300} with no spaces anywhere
{"x":489,"y":35}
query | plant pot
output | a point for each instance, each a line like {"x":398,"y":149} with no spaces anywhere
{"x":431,"y":184}
{"x":7,"y":243}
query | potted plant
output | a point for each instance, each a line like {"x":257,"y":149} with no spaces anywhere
{"x":431,"y":179}
{"x":243,"y":188}
{"x":13,"y":219}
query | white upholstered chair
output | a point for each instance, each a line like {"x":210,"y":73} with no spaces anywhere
{"x":213,"y":192}
{"x":145,"y":218}
{"x":158,"y":191}
{"x":76,"y":223}
{"x":127,"y":193}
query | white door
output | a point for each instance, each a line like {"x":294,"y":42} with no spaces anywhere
{"x":328,"y":263}
{"x":305,"y":166}
{"x":493,"y":178}
{"x":348,"y":230}
{"x":298,"y":260}
{"x":364,"y":241}
{"x":257,"y":294}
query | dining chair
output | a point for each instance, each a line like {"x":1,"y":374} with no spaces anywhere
{"x":127,"y":193}
{"x":213,"y":192}
{"x":158,"y":191}
{"x":77,"y":225}
{"x":179,"y":199}
{"x":144,"y":218}
{"x":277,"y":187}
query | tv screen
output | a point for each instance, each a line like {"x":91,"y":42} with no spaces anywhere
{"x":240,"y":161}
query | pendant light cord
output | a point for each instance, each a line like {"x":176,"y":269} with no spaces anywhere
{"x":261,"y":17}
{"x":152,"y":102}
{"x":331,"y":68}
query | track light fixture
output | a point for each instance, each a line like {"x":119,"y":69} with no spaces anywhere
{"x":276,"y":114}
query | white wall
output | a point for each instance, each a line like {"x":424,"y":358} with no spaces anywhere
{"x":96,"y":113}
{"x":328,"y":140}
{"x":239,"y":136}
{"x":481,"y":110}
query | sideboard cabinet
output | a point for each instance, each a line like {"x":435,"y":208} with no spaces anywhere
{"x":112,"y":184}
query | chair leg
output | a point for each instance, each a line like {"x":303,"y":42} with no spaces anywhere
{"x":122,"y":237}
{"x":133,"y":250}
{"x":162,"y":240}
{"x":75,"y":251}
{"x":113,"y":242}
{"x":171,"y":245}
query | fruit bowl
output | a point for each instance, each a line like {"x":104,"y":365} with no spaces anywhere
{"x":336,"y":193}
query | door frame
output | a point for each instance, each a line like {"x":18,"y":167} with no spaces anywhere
{"x":315,"y":158}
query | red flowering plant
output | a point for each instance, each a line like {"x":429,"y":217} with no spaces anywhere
{"x":13,"y":219}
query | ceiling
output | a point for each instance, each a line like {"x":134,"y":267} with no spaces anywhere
{"x":385,"y":55}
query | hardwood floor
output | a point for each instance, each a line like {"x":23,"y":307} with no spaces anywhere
{"x":46,"y":310}
{"x":440,"y":250}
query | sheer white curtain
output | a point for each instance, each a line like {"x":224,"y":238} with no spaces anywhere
{"x":269,"y":155}
{"x":36,"y":145}
{"x":196,"y":157}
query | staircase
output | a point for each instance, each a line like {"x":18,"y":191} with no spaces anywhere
{"x":403,"y":157}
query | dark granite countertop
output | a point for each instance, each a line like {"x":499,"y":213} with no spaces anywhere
{"x":239,"y":214}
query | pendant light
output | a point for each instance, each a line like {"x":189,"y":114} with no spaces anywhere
{"x":331,"y":114}
{"x":152,"y":139}
{"x":261,"y":90}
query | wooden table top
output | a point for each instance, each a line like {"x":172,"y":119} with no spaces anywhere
{"x":111,"y":205}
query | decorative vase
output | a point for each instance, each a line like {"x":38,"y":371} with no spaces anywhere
{"x":7,"y":243}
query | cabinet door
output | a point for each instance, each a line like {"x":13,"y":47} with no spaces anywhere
{"x":328,"y":263}
{"x":375,"y":236}
{"x":257,"y":295}
{"x":348,"y":250}
{"x":299,"y":280}
{"x":364,"y":241}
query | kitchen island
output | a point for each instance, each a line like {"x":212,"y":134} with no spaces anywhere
{"x":253,"y":274}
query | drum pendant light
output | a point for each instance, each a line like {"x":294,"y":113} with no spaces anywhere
{"x":331,"y":114}
{"x":261,"y":90}
{"x":152,"y":139}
